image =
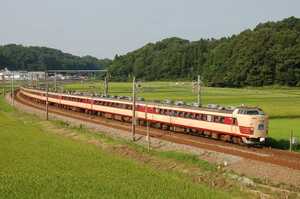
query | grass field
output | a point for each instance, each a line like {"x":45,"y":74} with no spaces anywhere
{"x":36,"y":163}
{"x":281,"y":104}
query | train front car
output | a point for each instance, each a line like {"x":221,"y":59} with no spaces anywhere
{"x":252,"y":124}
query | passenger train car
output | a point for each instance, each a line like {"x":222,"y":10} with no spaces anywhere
{"x":247,"y":125}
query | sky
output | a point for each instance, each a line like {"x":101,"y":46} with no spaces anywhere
{"x":104,"y":28}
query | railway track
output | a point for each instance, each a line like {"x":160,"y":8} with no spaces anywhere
{"x":267,"y":155}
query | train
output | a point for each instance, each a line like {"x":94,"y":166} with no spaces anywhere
{"x":241,"y":125}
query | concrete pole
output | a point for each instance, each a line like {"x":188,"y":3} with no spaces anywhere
{"x":199,"y":92}
{"x":55,"y":82}
{"x":291,"y":140}
{"x":133,"y":108}
{"x":3,"y":82}
{"x":106,"y":86}
{"x":31,"y":80}
{"x":148,"y":128}
{"x":47,"y":90}
{"x":12,"y":90}
{"x":37,"y":81}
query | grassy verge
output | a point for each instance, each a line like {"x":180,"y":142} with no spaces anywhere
{"x":38,"y":163}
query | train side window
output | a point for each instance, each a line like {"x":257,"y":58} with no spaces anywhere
{"x":216,"y":119}
{"x":222,"y":120}
{"x":181,"y":114}
{"x":208,"y":118}
{"x":189,"y":115}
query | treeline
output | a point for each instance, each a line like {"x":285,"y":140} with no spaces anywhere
{"x":268,"y":54}
{"x":18,"y":57}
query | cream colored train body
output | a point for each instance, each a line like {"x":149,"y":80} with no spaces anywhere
{"x":245,"y":124}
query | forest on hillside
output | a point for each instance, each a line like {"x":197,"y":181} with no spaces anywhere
{"x":18,"y":57}
{"x":269,"y":54}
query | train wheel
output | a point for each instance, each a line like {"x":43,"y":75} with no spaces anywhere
{"x":215,"y":136}
{"x":237,"y":140}
{"x":226,"y":138}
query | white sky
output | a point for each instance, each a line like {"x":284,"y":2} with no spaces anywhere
{"x":103,"y":28}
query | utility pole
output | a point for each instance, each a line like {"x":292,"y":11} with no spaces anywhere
{"x":148,"y":128}
{"x":55,"y":83}
{"x":291,"y":140}
{"x":47,"y":90}
{"x":37,"y":81}
{"x":106,"y":85}
{"x":3,"y":82}
{"x":133,"y":108}
{"x":31,"y":76}
{"x":12,"y":89}
{"x":199,"y":92}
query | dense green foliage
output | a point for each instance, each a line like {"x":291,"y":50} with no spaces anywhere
{"x":268,"y":54}
{"x":18,"y":57}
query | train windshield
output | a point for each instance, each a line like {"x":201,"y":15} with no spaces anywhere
{"x":251,"y":112}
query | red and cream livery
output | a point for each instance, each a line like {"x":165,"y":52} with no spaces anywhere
{"x":242,"y":124}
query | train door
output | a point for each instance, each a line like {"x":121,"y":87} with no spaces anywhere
{"x":234,"y":126}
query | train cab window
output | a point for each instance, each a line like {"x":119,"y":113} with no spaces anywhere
{"x":252,"y":112}
{"x":241,"y":112}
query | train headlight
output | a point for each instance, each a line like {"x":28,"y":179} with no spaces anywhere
{"x":262,"y":139}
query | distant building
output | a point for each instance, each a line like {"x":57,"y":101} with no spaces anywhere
{"x":5,"y":74}
{"x":35,"y":76}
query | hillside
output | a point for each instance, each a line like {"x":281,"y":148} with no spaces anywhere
{"x":18,"y":57}
{"x":268,"y":54}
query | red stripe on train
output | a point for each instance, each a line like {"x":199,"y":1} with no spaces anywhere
{"x":246,"y":130}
